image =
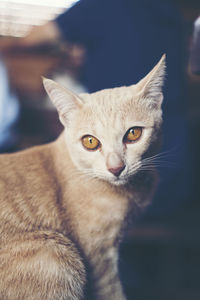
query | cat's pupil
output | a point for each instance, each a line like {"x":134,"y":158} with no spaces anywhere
{"x":132,"y":131}
{"x":90,"y":140}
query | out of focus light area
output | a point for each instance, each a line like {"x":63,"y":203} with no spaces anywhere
{"x":17,"y":17}
{"x":25,"y":65}
{"x":161,"y":254}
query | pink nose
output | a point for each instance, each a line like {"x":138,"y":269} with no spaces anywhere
{"x":117,"y":171}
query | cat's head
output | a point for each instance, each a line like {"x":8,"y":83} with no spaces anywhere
{"x":109,"y":132}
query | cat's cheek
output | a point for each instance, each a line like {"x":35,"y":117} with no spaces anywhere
{"x":81,"y":159}
{"x":135,"y":151}
{"x":84,"y":164}
{"x":84,"y":160}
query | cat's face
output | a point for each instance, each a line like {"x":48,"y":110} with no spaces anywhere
{"x":108,"y":132}
{"x":107,"y":139}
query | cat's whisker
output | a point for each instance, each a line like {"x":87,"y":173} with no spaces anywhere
{"x":159,"y":160}
{"x":160,"y":163}
{"x":150,"y":163}
{"x":156,"y":157}
{"x":159,"y":166}
{"x":88,"y":175}
{"x":161,"y":155}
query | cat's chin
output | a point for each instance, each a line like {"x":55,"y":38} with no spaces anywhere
{"x":118,"y":181}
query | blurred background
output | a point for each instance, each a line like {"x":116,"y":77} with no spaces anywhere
{"x":88,"y":45}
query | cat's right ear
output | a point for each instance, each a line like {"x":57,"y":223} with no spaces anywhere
{"x":150,"y":87}
{"x":64,"y":100}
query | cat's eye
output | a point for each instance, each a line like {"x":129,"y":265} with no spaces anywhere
{"x":90,"y":142}
{"x":132,"y":135}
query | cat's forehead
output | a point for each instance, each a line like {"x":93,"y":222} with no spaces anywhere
{"x":110,"y":102}
{"x":112,"y":96}
{"x":114,"y":106}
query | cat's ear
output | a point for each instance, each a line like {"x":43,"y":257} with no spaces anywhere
{"x":64,"y":100}
{"x":150,"y":87}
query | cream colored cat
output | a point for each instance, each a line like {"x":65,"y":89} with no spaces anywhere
{"x":64,"y":205}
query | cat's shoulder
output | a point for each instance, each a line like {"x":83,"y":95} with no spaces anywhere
{"x":24,"y":155}
{"x":29,"y":160}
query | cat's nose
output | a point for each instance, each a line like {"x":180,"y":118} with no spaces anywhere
{"x":115,"y":164}
{"x":117,"y":171}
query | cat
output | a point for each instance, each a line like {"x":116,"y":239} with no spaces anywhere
{"x":64,"y":205}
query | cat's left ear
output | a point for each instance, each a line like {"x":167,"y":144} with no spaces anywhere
{"x":150,"y":87}
{"x":64,"y":100}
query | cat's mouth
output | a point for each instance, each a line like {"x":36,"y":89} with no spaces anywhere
{"x":119,"y":180}
{"x":126,"y":176}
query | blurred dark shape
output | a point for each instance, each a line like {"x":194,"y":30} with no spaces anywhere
{"x":124,"y":39}
{"x":9,"y":113}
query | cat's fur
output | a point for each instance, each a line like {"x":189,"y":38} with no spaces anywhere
{"x":62,"y":210}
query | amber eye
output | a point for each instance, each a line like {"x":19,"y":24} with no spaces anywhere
{"x":132,"y":135}
{"x":90,"y":142}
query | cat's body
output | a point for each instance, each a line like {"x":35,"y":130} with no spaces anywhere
{"x":61,"y":212}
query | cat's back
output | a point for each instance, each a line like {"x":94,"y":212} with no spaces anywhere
{"x":30,"y":164}
{"x":37,"y":259}
{"x":28,"y":187}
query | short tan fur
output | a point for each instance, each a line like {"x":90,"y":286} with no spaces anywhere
{"x":64,"y":206}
